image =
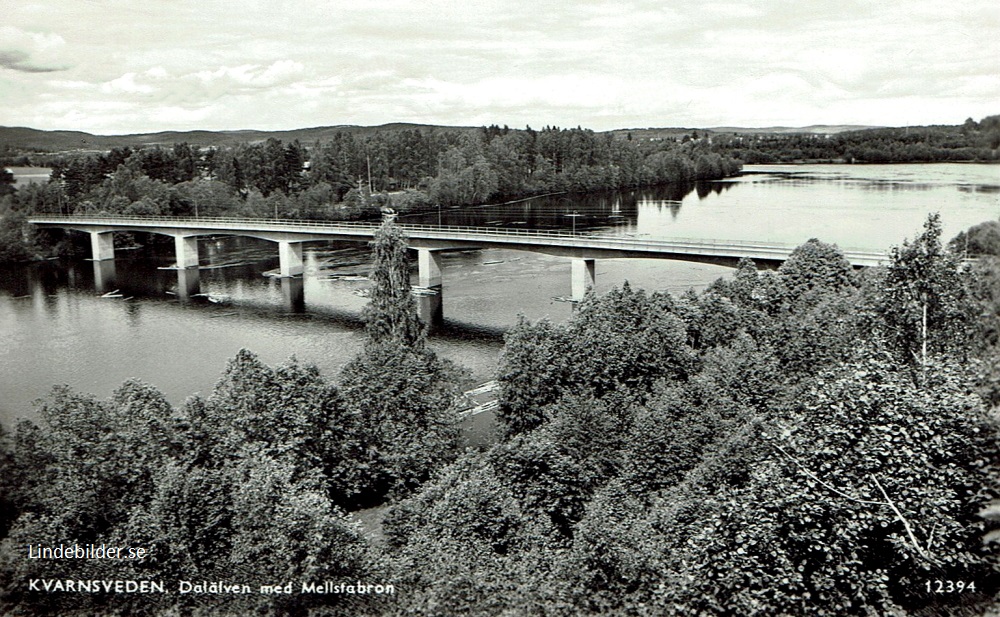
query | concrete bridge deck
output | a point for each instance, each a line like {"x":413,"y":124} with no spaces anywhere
{"x":429,"y":240}
{"x":436,"y":237}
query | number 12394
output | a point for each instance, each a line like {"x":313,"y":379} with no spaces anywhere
{"x":939,"y":586}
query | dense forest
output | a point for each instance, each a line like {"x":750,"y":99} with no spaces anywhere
{"x":971,"y":141}
{"x":815,"y":440}
{"x":350,"y":176}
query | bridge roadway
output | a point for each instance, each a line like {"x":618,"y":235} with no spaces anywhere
{"x":429,"y":241}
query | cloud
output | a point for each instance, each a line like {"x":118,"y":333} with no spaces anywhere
{"x":30,"y":52}
{"x":126,"y":84}
{"x":177,"y":116}
{"x":601,"y":64}
{"x":17,"y":60}
{"x":252,"y":75}
{"x":69,"y":84}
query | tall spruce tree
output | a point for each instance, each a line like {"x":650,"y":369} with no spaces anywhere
{"x":397,"y":390}
{"x":391,"y":315}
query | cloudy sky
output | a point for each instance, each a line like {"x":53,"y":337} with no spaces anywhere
{"x":122,"y":66}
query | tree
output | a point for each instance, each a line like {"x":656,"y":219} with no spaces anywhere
{"x":617,"y":345}
{"x":400,"y":402}
{"x":82,"y":474}
{"x":15,"y":235}
{"x":205,"y":197}
{"x":617,"y":551}
{"x":391,"y":314}
{"x":6,"y":182}
{"x":626,"y":340}
{"x":290,"y":412}
{"x":398,"y":391}
{"x":286,"y":529}
{"x":814,"y":268}
{"x":923,"y":302}
{"x":94,"y":459}
{"x":535,"y":369}
{"x":240,"y":486}
{"x":981,"y":239}
{"x":844,"y":506}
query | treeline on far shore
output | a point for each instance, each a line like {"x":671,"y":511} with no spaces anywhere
{"x":352,"y":175}
{"x":348,"y":177}
{"x":971,"y":141}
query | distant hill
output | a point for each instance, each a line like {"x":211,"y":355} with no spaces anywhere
{"x":815,"y":129}
{"x":21,"y":138}
{"x":674,"y":133}
{"x":56,"y":141}
{"x":651,"y":133}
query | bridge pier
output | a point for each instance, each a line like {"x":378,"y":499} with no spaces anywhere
{"x":583,"y":277}
{"x":186,"y":250}
{"x":430,"y":306}
{"x":289,"y":258}
{"x":102,"y":245}
{"x":428,"y":268}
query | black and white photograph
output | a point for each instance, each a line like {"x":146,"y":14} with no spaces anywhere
{"x":483,"y":308}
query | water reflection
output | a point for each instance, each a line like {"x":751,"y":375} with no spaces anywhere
{"x":293,"y":294}
{"x":569,"y":212}
{"x":614,"y":212}
{"x":188,"y":283}
{"x":46,"y":286}
{"x":430,"y":307}
{"x":705,"y":189}
{"x":980,"y":188}
{"x":133,"y":314}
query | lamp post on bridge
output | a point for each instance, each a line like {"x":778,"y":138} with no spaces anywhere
{"x":573,"y":218}
{"x":573,"y":215}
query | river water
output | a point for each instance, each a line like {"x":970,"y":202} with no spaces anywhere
{"x":55,"y":328}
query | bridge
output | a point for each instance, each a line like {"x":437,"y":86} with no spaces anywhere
{"x":430,"y":241}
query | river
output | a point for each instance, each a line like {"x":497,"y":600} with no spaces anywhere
{"x":56,"y":329}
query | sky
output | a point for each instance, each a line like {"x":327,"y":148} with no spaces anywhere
{"x":122,"y":66}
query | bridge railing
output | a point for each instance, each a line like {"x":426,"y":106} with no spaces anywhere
{"x":482,"y":231}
